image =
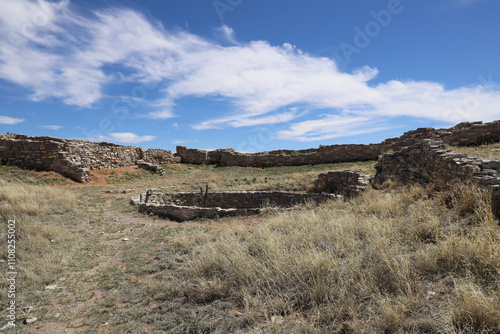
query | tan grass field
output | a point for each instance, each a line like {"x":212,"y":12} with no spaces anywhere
{"x":403,"y":259}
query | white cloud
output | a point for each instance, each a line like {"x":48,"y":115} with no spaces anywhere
{"x":10,"y":120}
{"x":242,"y":120}
{"x":330,"y":126}
{"x":51,"y":127}
{"x":227,"y":34}
{"x":124,"y":137}
{"x":258,"y":79}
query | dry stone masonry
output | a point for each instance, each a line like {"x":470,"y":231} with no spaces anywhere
{"x":431,"y":161}
{"x":346,"y":183}
{"x":74,"y":158}
{"x":461,"y":134}
{"x":187,"y":205}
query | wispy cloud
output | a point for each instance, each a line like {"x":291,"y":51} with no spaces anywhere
{"x":51,"y":127}
{"x":331,"y":126}
{"x":10,"y":120}
{"x":258,"y":79}
{"x":467,"y":3}
{"x":124,"y":137}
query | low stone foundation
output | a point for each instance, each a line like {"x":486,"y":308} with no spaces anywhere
{"x":186,"y":206}
{"x":347,"y":183}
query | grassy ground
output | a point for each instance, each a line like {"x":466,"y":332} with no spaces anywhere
{"x":404,"y":259}
{"x":485,"y":152}
{"x":192,"y":177}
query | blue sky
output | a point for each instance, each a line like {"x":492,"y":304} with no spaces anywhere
{"x":249,"y":74}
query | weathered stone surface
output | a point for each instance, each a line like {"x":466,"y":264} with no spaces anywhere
{"x":461,"y":134}
{"x":346,"y":183}
{"x":152,"y":167}
{"x":187,"y":206}
{"x":74,"y":158}
{"x":431,"y":161}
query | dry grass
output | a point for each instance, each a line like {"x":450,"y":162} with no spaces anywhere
{"x":33,"y":199}
{"x":485,"y":151}
{"x":403,"y":259}
{"x":369,"y":266}
{"x":48,"y":235}
{"x":475,"y":310}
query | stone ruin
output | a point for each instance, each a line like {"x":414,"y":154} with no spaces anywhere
{"x":75,"y":158}
{"x":189,"y":205}
{"x":461,"y":134}
{"x":419,"y":155}
{"x":426,"y":161}
{"x":347,"y":183}
{"x":431,"y":161}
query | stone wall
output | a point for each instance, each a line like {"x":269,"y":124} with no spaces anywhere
{"x":431,"y":161}
{"x":185,"y":206}
{"x":461,"y":134}
{"x":74,"y":158}
{"x":200,"y":157}
{"x":347,"y":183}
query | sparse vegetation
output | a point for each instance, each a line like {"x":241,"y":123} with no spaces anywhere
{"x":49,"y":234}
{"x":486,"y":151}
{"x":401,"y":259}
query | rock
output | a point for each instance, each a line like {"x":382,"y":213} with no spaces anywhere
{"x":30,"y":320}
{"x":51,"y":287}
{"x":236,"y":313}
{"x":125,"y":239}
{"x":277,"y":319}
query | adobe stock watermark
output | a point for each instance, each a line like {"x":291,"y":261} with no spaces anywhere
{"x":11,"y":274}
{"x":223,"y":6}
{"x":38,"y":20}
{"x":371,"y":30}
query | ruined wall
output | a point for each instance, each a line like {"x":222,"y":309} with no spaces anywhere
{"x":74,"y":158}
{"x":200,"y":157}
{"x":427,"y":160}
{"x":185,"y":206}
{"x":347,"y":183}
{"x":431,"y":161}
{"x":241,"y":200}
{"x":461,"y":134}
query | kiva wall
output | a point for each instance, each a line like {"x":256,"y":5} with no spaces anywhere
{"x":186,"y":206}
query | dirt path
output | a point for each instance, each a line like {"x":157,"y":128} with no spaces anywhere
{"x":78,"y":291}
